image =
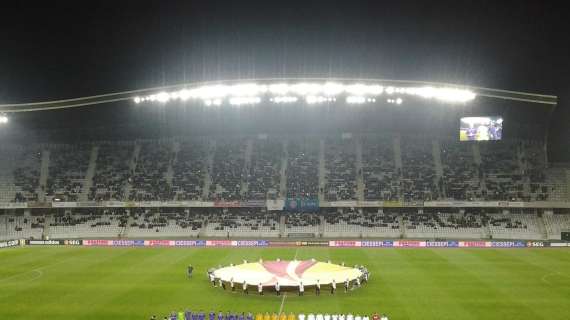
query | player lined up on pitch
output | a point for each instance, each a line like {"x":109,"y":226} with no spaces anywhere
{"x":189,"y":315}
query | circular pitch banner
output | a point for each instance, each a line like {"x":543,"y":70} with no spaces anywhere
{"x":287,"y":273}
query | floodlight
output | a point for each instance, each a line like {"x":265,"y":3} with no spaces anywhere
{"x":163,"y":97}
{"x":355,"y":99}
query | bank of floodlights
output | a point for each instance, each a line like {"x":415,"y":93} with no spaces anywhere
{"x":310,"y":92}
{"x":3,"y":118}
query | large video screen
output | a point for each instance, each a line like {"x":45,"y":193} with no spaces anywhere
{"x":480,"y":128}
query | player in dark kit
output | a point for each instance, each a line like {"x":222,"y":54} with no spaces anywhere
{"x":190,"y":270}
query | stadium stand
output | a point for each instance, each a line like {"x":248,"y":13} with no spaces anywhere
{"x":149,"y":177}
{"x":264,"y":171}
{"x":85,"y":224}
{"x":461,"y":175}
{"x":147,"y":224}
{"x":113,"y":172}
{"x":390,"y":168}
{"x":67,"y":170}
{"x":442,"y":225}
{"x":514,"y":226}
{"x":302,"y":168}
{"x":502,"y":172}
{"x":242,"y":223}
{"x":381,"y":178}
{"x":21,"y":227}
{"x":302,"y":225}
{"x":228,"y":169}
{"x":332,"y":168}
{"x":369,"y":223}
{"x":189,"y":170}
{"x":556,"y":223}
{"x":258,"y":223}
{"x":19,"y":173}
{"x":340,"y":177}
{"x":418,"y":170}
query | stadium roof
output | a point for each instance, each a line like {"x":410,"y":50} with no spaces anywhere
{"x":441,"y":91}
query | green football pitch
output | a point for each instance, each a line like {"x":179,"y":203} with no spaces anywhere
{"x":134,"y":283}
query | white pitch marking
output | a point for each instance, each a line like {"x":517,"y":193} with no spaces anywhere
{"x":282,"y":303}
{"x":37,"y":272}
{"x":285,"y":294}
{"x":547,"y":275}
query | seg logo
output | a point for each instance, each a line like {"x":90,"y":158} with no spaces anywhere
{"x":72,"y":242}
{"x":535,"y":244}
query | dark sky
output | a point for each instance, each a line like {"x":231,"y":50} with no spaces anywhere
{"x":52,"y":50}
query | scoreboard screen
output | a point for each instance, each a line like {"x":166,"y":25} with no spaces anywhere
{"x":480,"y":128}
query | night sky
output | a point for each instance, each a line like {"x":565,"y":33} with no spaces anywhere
{"x":55,"y":50}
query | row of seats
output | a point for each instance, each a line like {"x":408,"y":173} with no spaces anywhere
{"x":330,"y":168}
{"x":259,"y":223}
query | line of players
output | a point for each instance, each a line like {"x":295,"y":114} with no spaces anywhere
{"x":300,"y":287}
{"x":188,"y":315}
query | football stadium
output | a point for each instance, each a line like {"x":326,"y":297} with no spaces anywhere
{"x":283,"y":198}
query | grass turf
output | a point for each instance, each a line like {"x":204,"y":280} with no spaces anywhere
{"x":133,"y":283}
